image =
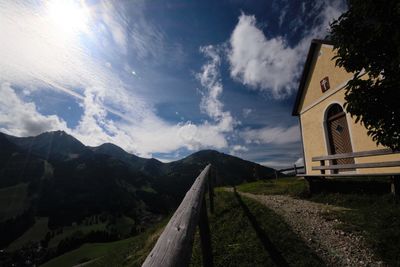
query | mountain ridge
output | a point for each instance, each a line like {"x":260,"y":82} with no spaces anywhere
{"x":68,"y":184}
{"x":151,"y":166}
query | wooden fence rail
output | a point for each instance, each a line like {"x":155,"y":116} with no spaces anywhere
{"x":294,"y":168}
{"x":174,"y":246}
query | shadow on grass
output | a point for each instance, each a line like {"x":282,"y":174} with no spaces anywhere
{"x":269,"y":247}
{"x":349,"y":186}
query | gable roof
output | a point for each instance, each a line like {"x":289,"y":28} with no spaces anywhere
{"x":306,"y":70}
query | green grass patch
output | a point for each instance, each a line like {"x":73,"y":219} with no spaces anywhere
{"x":13,"y":201}
{"x":70,"y":230}
{"x":376,"y":217}
{"x":235,"y":241}
{"x":283,"y":186}
{"x":127,"y":252}
{"x":34,"y":234}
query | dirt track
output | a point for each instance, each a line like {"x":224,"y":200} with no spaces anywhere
{"x":335,"y":247}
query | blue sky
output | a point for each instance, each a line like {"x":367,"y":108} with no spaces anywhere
{"x":160,"y":78}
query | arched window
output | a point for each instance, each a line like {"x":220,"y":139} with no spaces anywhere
{"x":338,"y":134}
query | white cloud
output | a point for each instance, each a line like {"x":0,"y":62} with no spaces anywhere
{"x":210,"y":80}
{"x":238,"y":149}
{"x":116,"y":24}
{"x":22,"y":118}
{"x":35,"y":54}
{"x":261,"y":63}
{"x":270,"y":64}
{"x":274,"y":164}
{"x":283,"y":15}
{"x":246,"y":112}
{"x":272,"y":135}
{"x":299,"y":162}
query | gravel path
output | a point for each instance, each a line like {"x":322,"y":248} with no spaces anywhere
{"x":335,"y":247}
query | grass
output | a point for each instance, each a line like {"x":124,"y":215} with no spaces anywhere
{"x":13,"y":201}
{"x":126,"y":252}
{"x":34,"y":234}
{"x":375,"y":217}
{"x":69,"y":230}
{"x":283,"y":186}
{"x":235,"y":242}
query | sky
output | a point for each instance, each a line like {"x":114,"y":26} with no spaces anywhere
{"x":160,"y":78}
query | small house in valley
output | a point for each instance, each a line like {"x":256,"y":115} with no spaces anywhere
{"x":327,"y":129}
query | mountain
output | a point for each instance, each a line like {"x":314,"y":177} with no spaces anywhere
{"x":56,"y":145}
{"x":179,"y":175}
{"x":103,"y":192}
{"x":17,"y":166}
{"x":152,"y":167}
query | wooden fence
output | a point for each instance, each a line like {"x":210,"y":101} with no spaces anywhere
{"x":174,"y":246}
{"x":294,"y":168}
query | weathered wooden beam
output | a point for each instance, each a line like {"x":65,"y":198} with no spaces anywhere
{"x":174,"y":246}
{"x":359,"y":154}
{"x":295,"y":168}
{"x":358,"y":165}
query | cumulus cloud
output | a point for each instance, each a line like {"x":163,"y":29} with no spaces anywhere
{"x":267,"y":64}
{"x":272,"y":135}
{"x":22,"y":118}
{"x":271,"y":64}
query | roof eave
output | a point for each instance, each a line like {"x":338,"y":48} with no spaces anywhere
{"x":305,"y":73}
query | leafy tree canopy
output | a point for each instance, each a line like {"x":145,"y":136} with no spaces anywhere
{"x":367,"y":41}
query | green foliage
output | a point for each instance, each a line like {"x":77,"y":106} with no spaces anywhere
{"x":377,"y":218}
{"x":236,"y":243}
{"x":283,"y":186}
{"x":367,"y":38}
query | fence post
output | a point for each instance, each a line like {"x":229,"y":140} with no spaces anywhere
{"x":276,"y":175}
{"x":322,"y":164}
{"x":295,"y":169}
{"x":395,"y":185}
{"x":205,"y":236}
{"x":174,"y":246}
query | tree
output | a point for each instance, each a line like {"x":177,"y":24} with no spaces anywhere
{"x":367,"y":41}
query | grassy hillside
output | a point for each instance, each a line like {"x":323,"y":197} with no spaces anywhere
{"x":13,"y":200}
{"x":34,"y":234}
{"x":127,"y":252}
{"x":245,"y":233}
{"x":89,"y":195}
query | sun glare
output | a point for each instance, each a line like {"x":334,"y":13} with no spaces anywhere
{"x":69,"y":16}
